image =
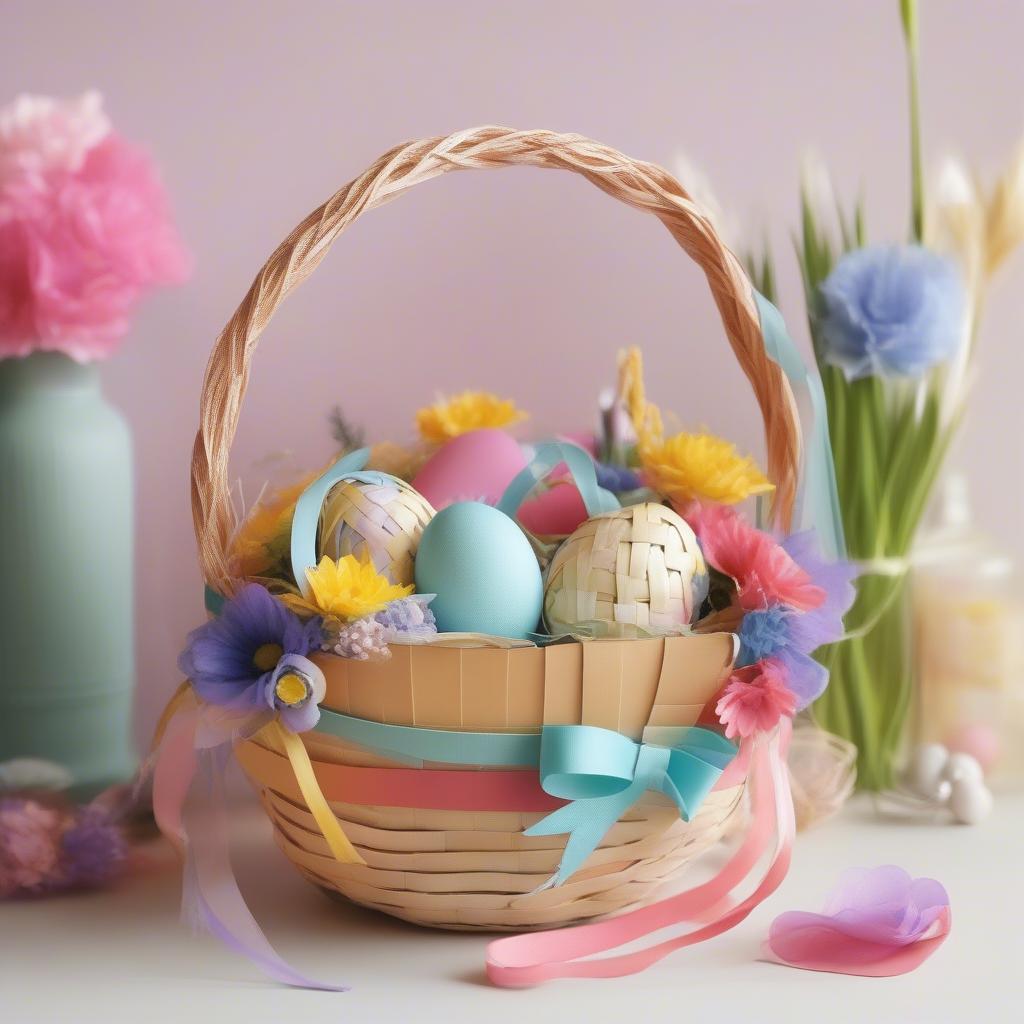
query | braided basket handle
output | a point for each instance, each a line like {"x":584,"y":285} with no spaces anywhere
{"x":644,"y":186}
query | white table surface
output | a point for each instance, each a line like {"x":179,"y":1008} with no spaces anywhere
{"x":124,"y":956}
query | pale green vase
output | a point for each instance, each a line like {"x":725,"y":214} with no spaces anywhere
{"x":66,"y":630}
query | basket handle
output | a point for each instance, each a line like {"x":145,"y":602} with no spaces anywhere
{"x":643,"y":186}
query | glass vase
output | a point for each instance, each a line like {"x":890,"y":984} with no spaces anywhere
{"x":871,"y":677}
{"x":66,"y":629}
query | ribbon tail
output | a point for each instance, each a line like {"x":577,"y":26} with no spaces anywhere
{"x":818,"y":498}
{"x":332,"y":831}
{"x":212,"y":899}
{"x":197,"y":827}
{"x":586,"y":822}
{"x":525,"y":960}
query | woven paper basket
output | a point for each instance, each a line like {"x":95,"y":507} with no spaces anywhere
{"x":475,"y":869}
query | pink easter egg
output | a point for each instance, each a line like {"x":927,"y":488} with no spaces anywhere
{"x":477,"y":466}
{"x":557,"y":511}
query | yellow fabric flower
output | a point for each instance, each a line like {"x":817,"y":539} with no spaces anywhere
{"x":262,"y":539}
{"x":347,"y":589}
{"x":700,"y":466}
{"x":685,"y":467}
{"x":472,"y":410}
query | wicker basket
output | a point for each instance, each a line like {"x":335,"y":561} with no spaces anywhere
{"x":475,"y":869}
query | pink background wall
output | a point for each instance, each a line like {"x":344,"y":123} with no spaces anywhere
{"x":520,"y":283}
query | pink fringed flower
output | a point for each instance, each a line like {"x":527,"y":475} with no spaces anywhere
{"x":764,"y":572}
{"x":30,"y":836}
{"x":755,"y":699}
{"x":85,"y":230}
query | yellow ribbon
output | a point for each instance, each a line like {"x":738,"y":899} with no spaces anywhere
{"x":298,"y":757}
{"x":302,"y":767}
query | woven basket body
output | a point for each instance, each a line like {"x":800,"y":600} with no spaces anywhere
{"x":460,"y":869}
{"x":476,"y":870}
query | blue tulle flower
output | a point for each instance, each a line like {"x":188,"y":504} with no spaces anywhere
{"x":616,"y":479}
{"x":231,"y":659}
{"x":766,"y":633}
{"x":891,"y":311}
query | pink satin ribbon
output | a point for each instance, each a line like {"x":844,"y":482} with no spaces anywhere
{"x":444,"y":790}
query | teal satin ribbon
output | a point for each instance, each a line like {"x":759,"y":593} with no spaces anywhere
{"x":818,"y":496}
{"x":414,"y":745}
{"x":547,"y":455}
{"x":604,"y":773}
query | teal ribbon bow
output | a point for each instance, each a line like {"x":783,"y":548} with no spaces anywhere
{"x":604,"y":773}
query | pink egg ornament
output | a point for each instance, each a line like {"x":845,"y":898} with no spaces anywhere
{"x":555,"y":512}
{"x":978,"y":740}
{"x":476,"y":466}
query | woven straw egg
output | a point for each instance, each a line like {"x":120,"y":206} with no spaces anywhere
{"x":639,"y":566}
{"x":383,"y":521}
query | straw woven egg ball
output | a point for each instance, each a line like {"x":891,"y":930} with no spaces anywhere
{"x":381,"y":520}
{"x":639,"y":566}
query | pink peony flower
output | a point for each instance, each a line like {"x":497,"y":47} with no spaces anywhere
{"x":755,"y":699}
{"x":85,"y":230}
{"x":30,"y":836}
{"x":764,"y":572}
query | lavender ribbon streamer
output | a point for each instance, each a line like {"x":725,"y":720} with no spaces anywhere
{"x":211,"y":899}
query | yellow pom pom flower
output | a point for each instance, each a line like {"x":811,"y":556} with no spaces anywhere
{"x":346,"y":589}
{"x":262,"y":539}
{"x":690,"y":467}
{"x":472,"y":410}
{"x":686,"y":467}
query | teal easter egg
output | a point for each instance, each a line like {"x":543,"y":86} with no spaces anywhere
{"x":481,"y":567}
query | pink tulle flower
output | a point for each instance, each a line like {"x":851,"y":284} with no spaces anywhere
{"x":85,"y":230}
{"x":878,"y":922}
{"x":764,"y":572}
{"x":755,"y":699}
{"x":30,"y":836}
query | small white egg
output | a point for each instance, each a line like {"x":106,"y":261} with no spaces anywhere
{"x":962,"y":766}
{"x":927,"y":767}
{"x":970,"y":802}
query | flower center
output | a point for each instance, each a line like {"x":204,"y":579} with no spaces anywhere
{"x":291,"y":689}
{"x":266,"y":656}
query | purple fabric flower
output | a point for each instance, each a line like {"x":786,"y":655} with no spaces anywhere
{"x":408,"y":616}
{"x":891,"y":311}
{"x":93,"y":849}
{"x":868,"y":922}
{"x":824,"y":624}
{"x":294,"y":691}
{"x":230,"y":659}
